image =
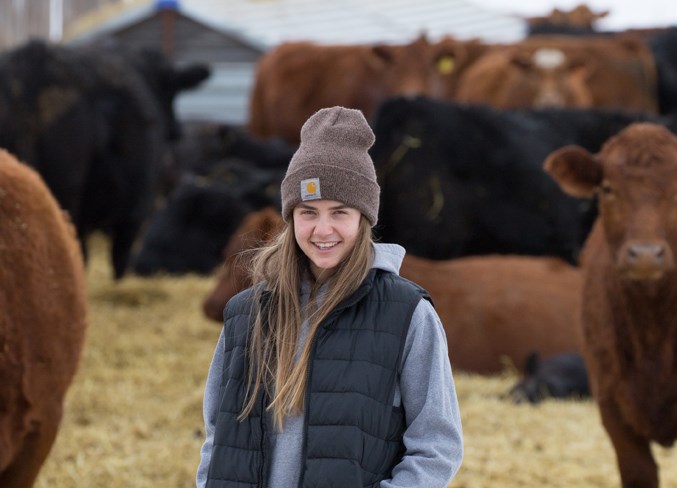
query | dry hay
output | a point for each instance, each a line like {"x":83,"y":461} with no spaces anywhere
{"x":133,"y":416}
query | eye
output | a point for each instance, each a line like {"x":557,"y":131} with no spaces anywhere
{"x":605,"y":189}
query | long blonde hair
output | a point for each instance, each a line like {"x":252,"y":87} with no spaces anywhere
{"x":277,"y":271}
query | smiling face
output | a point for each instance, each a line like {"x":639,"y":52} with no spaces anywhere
{"x":326,"y":232}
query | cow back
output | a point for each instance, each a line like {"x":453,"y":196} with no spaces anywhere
{"x":43,"y":319}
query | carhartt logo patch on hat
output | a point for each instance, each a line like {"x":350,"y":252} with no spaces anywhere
{"x":310,"y":189}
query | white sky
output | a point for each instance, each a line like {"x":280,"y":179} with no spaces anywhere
{"x":623,"y":14}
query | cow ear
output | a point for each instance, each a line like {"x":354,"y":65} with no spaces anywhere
{"x":580,"y":70}
{"x":447,"y":53}
{"x":382,"y":54}
{"x":272,"y":221}
{"x":521,"y":60}
{"x":191,"y":76}
{"x":576,"y":171}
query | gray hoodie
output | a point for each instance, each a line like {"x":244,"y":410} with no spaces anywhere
{"x":433,"y":438}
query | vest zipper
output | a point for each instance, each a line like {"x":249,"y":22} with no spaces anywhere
{"x":357,"y":296}
{"x":306,"y":411}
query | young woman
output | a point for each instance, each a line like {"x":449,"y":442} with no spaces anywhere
{"x":331,"y":370}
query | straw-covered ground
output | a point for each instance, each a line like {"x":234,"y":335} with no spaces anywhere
{"x":133,"y":415}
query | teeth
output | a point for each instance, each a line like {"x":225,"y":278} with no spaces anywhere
{"x":322,"y":245}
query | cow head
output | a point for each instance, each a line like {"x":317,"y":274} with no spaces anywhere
{"x":635,"y":179}
{"x":417,"y":68}
{"x":580,"y":17}
{"x":547,"y":77}
{"x":166,"y":81}
{"x":450,"y":58}
{"x":400,"y":66}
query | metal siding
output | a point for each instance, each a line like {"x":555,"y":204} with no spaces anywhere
{"x":222,"y":98}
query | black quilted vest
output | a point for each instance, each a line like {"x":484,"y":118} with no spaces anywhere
{"x":353,"y":434}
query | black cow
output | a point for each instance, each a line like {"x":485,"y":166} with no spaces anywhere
{"x":558,"y":376}
{"x":94,"y":123}
{"x":204,"y":145}
{"x":462,"y":180}
{"x":663,"y":45}
{"x":190,"y":232}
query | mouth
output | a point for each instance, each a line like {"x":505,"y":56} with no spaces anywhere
{"x":325,"y":246}
{"x":644,"y":276}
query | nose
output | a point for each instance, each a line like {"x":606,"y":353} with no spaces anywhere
{"x":647,"y":259}
{"x":653,"y":253}
{"x":323,"y":226}
{"x":547,"y":99}
{"x":649,"y":256}
{"x":549,"y":94}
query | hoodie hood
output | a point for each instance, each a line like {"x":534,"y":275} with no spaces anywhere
{"x":388,"y":257}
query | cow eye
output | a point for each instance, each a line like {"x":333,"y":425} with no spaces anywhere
{"x":605,"y":189}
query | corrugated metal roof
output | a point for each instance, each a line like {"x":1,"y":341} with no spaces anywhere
{"x":266,"y":23}
{"x":357,"y":21}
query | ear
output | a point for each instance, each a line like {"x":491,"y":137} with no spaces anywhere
{"x":576,"y":171}
{"x":445,"y":64}
{"x":421,"y":40}
{"x":272,"y":222}
{"x":581,"y":70}
{"x":521,"y":60}
{"x":381,"y":55}
{"x":448,"y":54}
{"x":191,"y":76}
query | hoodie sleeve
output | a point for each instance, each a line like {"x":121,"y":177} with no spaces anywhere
{"x":210,"y":407}
{"x":433,"y":438}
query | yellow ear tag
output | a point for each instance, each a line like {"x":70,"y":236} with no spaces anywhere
{"x":445,"y":65}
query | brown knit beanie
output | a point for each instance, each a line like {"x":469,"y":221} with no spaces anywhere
{"x":332,"y":163}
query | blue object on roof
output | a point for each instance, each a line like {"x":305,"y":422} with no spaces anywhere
{"x":167,"y":4}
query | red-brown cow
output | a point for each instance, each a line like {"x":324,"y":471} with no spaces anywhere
{"x":296,"y":79}
{"x":494,"y":308}
{"x":42,"y":319}
{"x":498,"y":309}
{"x":580,"y":19}
{"x":452,"y":57}
{"x":630,"y":289}
{"x":255,"y":230}
{"x":564,"y":71}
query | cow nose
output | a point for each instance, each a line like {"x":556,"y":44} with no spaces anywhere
{"x":647,"y":260}
{"x":549,"y":99}
{"x":649,"y":253}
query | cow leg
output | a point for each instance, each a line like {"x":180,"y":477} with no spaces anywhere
{"x":633,"y":453}
{"x":82,"y":239}
{"x":26,"y":465}
{"x":122,"y":241}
